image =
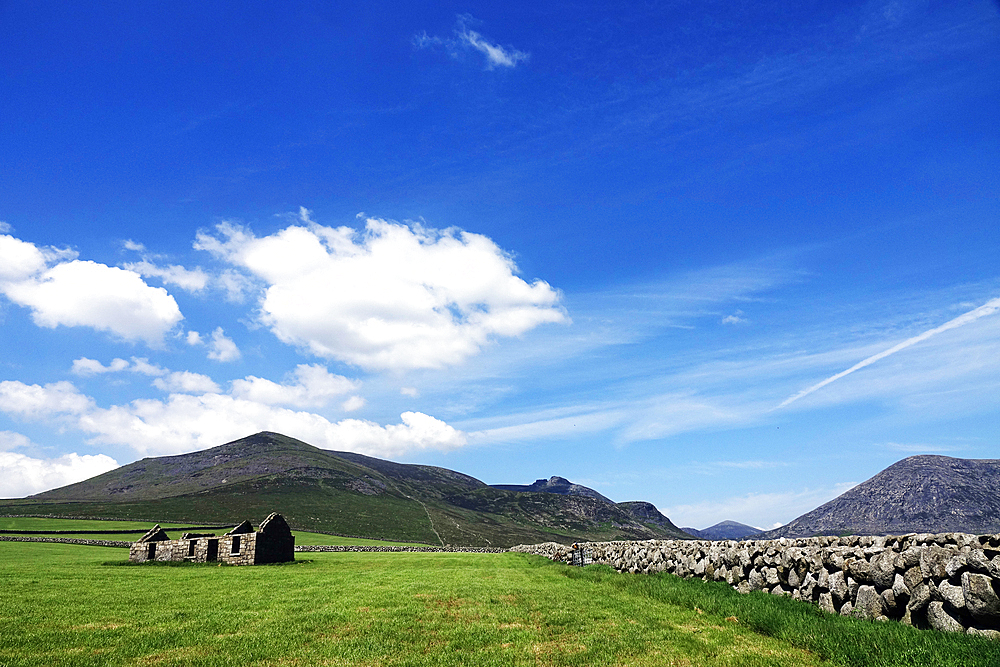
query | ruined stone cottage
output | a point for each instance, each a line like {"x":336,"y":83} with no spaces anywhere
{"x":272,"y":542}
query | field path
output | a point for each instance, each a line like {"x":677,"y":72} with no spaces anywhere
{"x":426,"y":511}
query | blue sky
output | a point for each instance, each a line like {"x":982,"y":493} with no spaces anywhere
{"x":731,"y":259}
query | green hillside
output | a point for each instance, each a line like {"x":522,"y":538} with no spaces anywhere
{"x":341,"y":493}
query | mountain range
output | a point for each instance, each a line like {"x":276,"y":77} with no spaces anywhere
{"x":920,"y":494}
{"x":347,"y":494}
{"x":725,"y":530}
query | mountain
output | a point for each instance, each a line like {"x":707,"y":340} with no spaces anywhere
{"x":341,"y":493}
{"x":920,"y":494}
{"x":725,"y":530}
{"x":559,"y":485}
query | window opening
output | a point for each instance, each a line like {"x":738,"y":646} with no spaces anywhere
{"x":236,"y":544}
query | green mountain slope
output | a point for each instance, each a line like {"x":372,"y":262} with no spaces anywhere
{"x":341,"y":493}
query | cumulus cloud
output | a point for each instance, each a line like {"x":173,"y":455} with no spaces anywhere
{"x":10,"y":440}
{"x":222,"y":348}
{"x":311,"y":385}
{"x":142,"y":366}
{"x":412,"y":392}
{"x":394,"y":297}
{"x":84,"y":366}
{"x":353,"y":403}
{"x":465,"y":39}
{"x":21,"y":475}
{"x":35,"y":401}
{"x":190,"y":280}
{"x":186,"y":382}
{"x":179,"y":381}
{"x":235,"y":285}
{"x":74,"y":293}
{"x":193,"y":338}
{"x":183,"y":422}
{"x":20,"y":260}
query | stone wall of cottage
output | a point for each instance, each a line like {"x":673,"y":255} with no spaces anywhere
{"x":197,"y":550}
{"x":946,"y":581}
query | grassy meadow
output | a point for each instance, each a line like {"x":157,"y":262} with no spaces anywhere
{"x":79,"y":605}
{"x":44,"y":525}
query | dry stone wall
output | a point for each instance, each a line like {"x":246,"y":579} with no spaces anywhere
{"x":945,"y":581}
{"x":65,"y":540}
{"x":350,"y":548}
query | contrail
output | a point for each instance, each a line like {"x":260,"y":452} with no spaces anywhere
{"x":987,"y":308}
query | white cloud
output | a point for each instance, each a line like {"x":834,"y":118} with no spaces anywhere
{"x":84,"y":293}
{"x":190,"y":280}
{"x":142,"y":366}
{"x":5,"y":227}
{"x":184,"y":423}
{"x":412,"y":392}
{"x":84,"y":366}
{"x":393,"y":297}
{"x":735,"y":318}
{"x":353,"y":403}
{"x":467,"y":39}
{"x":310,"y":386}
{"x":418,"y":431}
{"x":235,"y":285}
{"x":186,"y":382}
{"x":222,"y":348}
{"x":22,"y":475}
{"x":193,"y":338}
{"x":10,"y":440}
{"x":534,"y":426}
{"x":35,"y":401}
{"x":496,"y":55}
{"x":20,"y":260}
{"x":989,"y":308}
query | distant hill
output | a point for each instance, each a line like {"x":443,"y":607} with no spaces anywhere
{"x":341,"y":493}
{"x":725,"y":530}
{"x":559,"y":485}
{"x":920,"y":494}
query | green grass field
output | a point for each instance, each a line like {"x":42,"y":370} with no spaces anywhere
{"x":45,"y":524}
{"x":65,"y":605}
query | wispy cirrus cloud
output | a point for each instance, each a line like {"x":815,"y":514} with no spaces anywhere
{"x":466,"y":39}
{"x":989,"y":308}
